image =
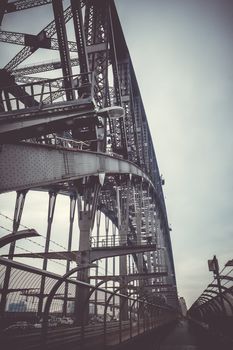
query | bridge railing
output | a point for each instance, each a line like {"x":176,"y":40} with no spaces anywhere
{"x":213,"y":310}
{"x":110,"y":241}
{"x":46,"y":92}
{"x":110,"y":320}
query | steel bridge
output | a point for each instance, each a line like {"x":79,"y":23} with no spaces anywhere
{"x":81,"y":133}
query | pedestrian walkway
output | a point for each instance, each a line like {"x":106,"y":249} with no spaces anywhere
{"x":184,"y":335}
{"x":187,"y":336}
{"x":180,"y":338}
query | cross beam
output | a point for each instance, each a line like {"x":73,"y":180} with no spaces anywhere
{"x":131,"y":277}
{"x":95,"y":253}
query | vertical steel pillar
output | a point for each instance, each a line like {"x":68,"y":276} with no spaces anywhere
{"x":123,"y":232}
{"x":63,"y":48}
{"x":2,"y":9}
{"x":80,"y":39}
{"x":19,"y":205}
{"x":114,"y":268}
{"x":98,"y":219}
{"x":2,"y":108}
{"x":72,"y":212}
{"x":87,"y":203}
{"x":83,"y":275}
{"x":138,"y":203}
{"x":97,"y":32}
{"x":121,"y":147}
{"x":51,"y":207}
{"x":107,"y":244}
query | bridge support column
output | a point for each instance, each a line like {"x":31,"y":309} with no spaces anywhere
{"x":138,"y":210}
{"x":123,"y":221}
{"x":51,"y":207}
{"x":19,"y":205}
{"x":72,"y":212}
{"x":83,"y":275}
{"x":63,"y":48}
{"x":87,"y":203}
{"x":98,"y":220}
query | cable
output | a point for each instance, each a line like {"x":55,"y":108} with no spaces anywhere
{"x":40,"y":245}
{"x":39,"y":255}
{"x":5,"y":228}
{"x":24,"y":226}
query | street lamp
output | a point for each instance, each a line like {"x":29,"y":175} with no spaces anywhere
{"x":112,"y":112}
{"x":213,"y":266}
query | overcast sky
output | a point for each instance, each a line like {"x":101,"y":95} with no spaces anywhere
{"x":182,"y":52}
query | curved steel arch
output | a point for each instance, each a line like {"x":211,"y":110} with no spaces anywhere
{"x":73,"y":165}
{"x":216,"y":296}
{"x":209,"y":304}
{"x":105,"y":311}
{"x":213,"y":301}
{"x":17,"y":235}
{"x":51,"y":296}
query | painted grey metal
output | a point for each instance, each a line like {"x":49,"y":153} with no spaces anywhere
{"x":106,"y":159}
{"x":25,"y":165}
{"x":94,"y":253}
{"x":131,"y":277}
{"x":51,"y":297}
{"x":18,"y":235}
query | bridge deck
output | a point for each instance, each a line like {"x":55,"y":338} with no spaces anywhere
{"x":185,"y":336}
{"x":182,"y":338}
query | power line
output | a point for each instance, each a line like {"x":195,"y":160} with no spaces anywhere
{"x":39,"y":245}
{"x":24,"y":226}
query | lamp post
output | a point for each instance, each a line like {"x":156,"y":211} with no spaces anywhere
{"x":213,"y":266}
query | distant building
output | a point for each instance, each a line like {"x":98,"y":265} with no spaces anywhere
{"x":183,"y":306}
{"x":70,"y":307}
{"x":21,"y":306}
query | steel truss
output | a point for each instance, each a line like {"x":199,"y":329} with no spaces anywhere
{"x":95,"y":118}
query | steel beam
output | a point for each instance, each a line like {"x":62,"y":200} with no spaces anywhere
{"x":18,"y":235}
{"x":19,"y":205}
{"x":20,"y":5}
{"x":100,"y":253}
{"x":25,"y":165}
{"x":130,"y":277}
{"x":63,"y":48}
{"x":51,"y":207}
{"x":3,"y":6}
{"x":80,"y":37}
{"x":49,"y":31}
{"x":44,"y":119}
{"x":94,"y":254}
{"x":39,"y":41}
{"x":73,"y":199}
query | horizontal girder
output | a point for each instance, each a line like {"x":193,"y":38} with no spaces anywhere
{"x":42,"y":67}
{"x":43,"y":119}
{"x":95,"y":253}
{"x":25,"y":4}
{"x":37,"y":41}
{"x":27,"y":165}
{"x":131,"y":277}
{"x":16,"y":236}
